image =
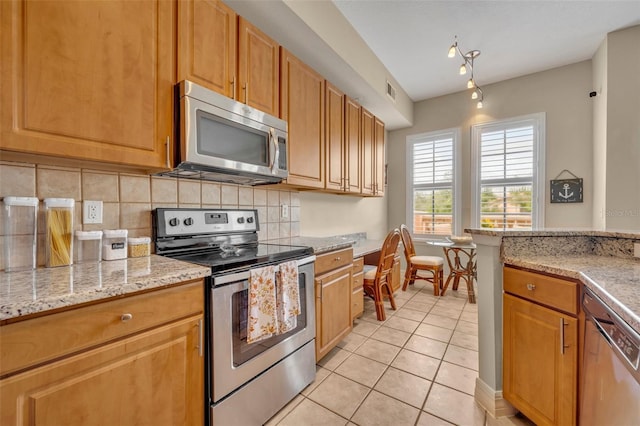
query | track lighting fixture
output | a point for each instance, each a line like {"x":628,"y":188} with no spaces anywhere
{"x":469,"y":59}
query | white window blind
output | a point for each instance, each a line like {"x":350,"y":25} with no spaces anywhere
{"x":507,"y":173}
{"x":431,"y":183}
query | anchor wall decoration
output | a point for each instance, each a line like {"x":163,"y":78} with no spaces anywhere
{"x":566,"y":190}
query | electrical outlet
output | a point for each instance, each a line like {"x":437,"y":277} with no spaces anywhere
{"x":91,"y":212}
{"x":284,"y":211}
{"x":636,"y":249}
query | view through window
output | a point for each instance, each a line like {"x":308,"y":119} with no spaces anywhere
{"x":431,"y":182}
{"x":507,"y":174}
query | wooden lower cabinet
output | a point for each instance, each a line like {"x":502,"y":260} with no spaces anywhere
{"x":333,"y":289}
{"x":150,"y":377}
{"x":357,"y":291}
{"x":540,"y":350}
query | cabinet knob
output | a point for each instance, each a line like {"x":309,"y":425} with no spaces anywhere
{"x":126,"y":317}
{"x":337,"y":259}
{"x":531,"y":287}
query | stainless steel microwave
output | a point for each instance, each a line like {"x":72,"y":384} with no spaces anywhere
{"x":224,"y":140}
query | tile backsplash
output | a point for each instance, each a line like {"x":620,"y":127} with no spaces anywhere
{"x":129,"y":198}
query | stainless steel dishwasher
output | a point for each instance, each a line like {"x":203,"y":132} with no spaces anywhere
{"x":610,"y":380}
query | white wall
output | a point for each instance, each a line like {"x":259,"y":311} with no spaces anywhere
{"x":623,"y":130}
{"x":599,"y":66}
{"x":562,"y":93}
{"x":323,"y":215}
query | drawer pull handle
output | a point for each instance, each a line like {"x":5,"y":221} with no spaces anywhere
{"x":531,"y":287}
{"x":126,"y":317}
{"x":337,"y":259}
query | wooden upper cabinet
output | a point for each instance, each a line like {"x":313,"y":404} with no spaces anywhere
{"x":258,"y":69}
{"x":368,"y":152}
{"x":335,"y":138}
{"x":88,"y":80}
{"x":353,"y":146}
{"x":303,"y":96}
{"x":207,"y":40}
{"x":379,"y":169}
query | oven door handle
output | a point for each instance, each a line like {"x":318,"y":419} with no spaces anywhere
{"x":244,"y":276}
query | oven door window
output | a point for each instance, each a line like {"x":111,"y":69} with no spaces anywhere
{"x":222,"y":138}
{"x":242,"y":351}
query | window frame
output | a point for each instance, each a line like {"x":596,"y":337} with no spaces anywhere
{"x":411,"y":140}
{"x":538,"y":121}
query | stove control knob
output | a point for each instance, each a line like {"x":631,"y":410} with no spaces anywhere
{"x":250,"y":219}
{"x":188,"y":221}
{"x":241,"y":220}
{"x":173,"y":221}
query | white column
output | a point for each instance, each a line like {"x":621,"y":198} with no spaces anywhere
{"x":488,"y":392}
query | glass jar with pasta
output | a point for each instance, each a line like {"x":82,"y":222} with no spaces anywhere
{"x":59,"y":228}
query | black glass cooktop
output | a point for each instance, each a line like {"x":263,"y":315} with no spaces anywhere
{"x":241,"y":258}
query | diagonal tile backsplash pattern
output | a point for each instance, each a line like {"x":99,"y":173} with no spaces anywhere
{"x":129,"y":198}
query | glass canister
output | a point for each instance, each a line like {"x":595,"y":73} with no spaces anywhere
{"x":59,"y":227}
{"x":139,"y":247}
{"x":21,"y":230}
{"x":114,"y":244}
{"x":88,"y":246}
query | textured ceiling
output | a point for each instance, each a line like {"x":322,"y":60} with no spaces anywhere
{"x":516,"y":37}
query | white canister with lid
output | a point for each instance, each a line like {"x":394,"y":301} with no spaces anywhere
{"x":139,"y":247}
{"x":20,"y":227}
{"x":88,"y":246}
{"x":59,"y":231}
{"x":114,"y":244}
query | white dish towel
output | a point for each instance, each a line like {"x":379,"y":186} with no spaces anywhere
{"x":263,"y":322}
{"x":288,"y":296}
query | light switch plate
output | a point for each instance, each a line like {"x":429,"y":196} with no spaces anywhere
{"x":284,"y":211}
{"x":91,"y":212}
{"x":636,"y":249}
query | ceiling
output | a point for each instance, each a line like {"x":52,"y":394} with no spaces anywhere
{"x":409,"y":39}
{"x":516,"y":37}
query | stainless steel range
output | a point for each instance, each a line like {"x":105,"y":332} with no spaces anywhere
{"x":245,"y":383}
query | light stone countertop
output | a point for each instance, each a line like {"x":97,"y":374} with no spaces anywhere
{"x":361,"y":245}
{"x":554,"y":233}
{"x":31,"y":292}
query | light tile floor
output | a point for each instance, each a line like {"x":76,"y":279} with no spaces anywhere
{"x":416,"y":368}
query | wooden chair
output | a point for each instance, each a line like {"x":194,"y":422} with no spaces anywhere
{"x":432,"y":264}
{"x":376,"y":278}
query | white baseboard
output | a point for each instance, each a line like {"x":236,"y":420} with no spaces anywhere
{"x":492,"y":400}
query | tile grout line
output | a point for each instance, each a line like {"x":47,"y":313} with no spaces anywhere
{"x":389,"y":364}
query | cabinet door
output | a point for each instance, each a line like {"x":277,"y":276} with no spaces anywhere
{"x":154,"y":378}
{"x":334,"y":138}
{"x":302,"y":92}
{"x":368,"y":152}
{"x":333,"y":308}
{"x":207,"y":40}
{"x":258,"y":69}
{"x":540,"y":362}
{"x":88,"y":80}
{"x":353,"y":146}
{"x":379,"y":169}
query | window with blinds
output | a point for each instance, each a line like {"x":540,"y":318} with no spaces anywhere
{"x":431,"y":183}
{"x":507,"y":155}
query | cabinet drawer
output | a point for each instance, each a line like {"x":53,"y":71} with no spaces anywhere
{"x":549,"y":291}
{"x":357,"y":280}
{"x":33,"y":341}
{"x":334,"y":259}
{"x":358,"y":265}
{"x":357,"y":303}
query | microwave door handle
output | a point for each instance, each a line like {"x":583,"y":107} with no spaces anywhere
{"x":276,"y":152}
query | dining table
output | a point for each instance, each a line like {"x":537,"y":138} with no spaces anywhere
{"x":461,"y":258}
